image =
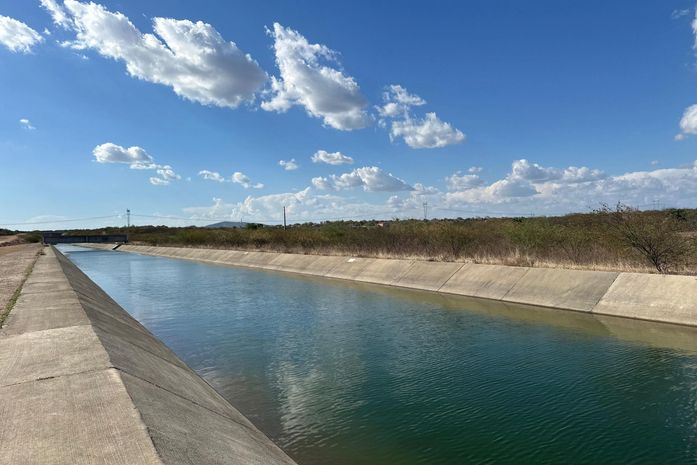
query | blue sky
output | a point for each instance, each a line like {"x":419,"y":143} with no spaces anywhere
{"x":183,"y":110}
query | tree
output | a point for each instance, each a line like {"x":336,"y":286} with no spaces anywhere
{"x":655,"y":235}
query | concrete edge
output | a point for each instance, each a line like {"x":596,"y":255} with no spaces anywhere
{"x":81,"y":381}
{"x":158,"y":381}
{"x":642,"y":296}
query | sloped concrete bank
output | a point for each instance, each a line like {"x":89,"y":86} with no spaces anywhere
{"x":82,"y":382}
{"x":663,"y":298}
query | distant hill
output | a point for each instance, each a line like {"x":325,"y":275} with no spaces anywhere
{"x":227,"y":224}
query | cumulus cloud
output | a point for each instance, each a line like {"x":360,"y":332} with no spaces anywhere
{"x":688,"y":123}
{"x":136,"y":158}
{"x":530,"y":187}
{"x":371,"y":178}
{"x":211,"y":175}
{"x":524,"y":170}
{"x":331,"y":158}
{"x":244,"y":181}
{"x":459,"y":181}
{"x":17,"y":36}
{"x":166,"y":173}
{"x":237,"y":178}
{"x":158,"y":181}
{"x":301,"y":206}
{"x":421,"y":190}
{"x":113,"y":153}
{"x":190,"y":57}
{"x":288,"y":165}
{"x":57,"y":12}
{"x":308,"y":79}
{"x":398,"y":102}
{"x":509,"y":195}
{"x":427,"y":133}
{"x":418,"y":133}
{"x":26,"y":124}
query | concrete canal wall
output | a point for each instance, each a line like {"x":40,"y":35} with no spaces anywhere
{"x":664,"y":298}
{"x":82,"y":382}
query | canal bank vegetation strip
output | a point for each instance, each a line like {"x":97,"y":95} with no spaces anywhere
{"x":654,"y":297}
{"x":4,"y":312}
{"x":81,"y":381}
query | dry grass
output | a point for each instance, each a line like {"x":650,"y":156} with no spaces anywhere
{"x":17,"y":264}
{"x":579,"y":241}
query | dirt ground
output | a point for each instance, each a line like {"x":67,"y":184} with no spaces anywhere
{"x":14,"y":261}
{"x":4,"y":240}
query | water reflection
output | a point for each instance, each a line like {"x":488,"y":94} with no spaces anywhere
{"x":345,"y":373}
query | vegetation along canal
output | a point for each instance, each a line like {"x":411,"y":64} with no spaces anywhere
{"x":338,"y":373}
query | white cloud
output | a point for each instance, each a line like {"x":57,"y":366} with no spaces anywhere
{"x":244,"y":181}
{"x":17,"y":36}
{"x":398,"y":102}
{"x":112,"y":153}
{"x":459,"y":181}
{"x":574,"y":175}
{"x":677,"y":14}
{"x":511,"y":196}
{"x":288,"y":165}
{"x":159,"y":181}
{"x":523,"y":169}
{"x":57,"y":12}
{"x":191,"y":58}
{"x":428,"y":133}
{"x":307,"y":79}
{"x":371,"y":178}
{"x":137,"y":159}
{"x":531,"y":188}
{"x":211,"y":176}
{"x":26,"y":124}
{"x":688,"y":122}
{"x":167,"y":173}
{"x":333,"y":158}
{"x":510,"y":187}
{"x":237,"y":178}
{"x":304,"y":205}
{"x":421,"y":190}
{"x":418,"y":133}
{"x":532,"y":172}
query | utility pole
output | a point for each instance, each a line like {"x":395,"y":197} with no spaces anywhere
{"x":128,"y":218}
{"x":284,"y":217}
{"x":425,"y":211}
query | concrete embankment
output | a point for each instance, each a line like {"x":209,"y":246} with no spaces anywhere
{"x":664,"y":298}
{"x":82,"y":382}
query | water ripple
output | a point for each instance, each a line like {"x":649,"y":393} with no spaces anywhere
{"x":338,"y":374}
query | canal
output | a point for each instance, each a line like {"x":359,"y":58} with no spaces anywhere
{"x":339,"y":373}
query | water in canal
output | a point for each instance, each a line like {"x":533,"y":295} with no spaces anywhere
{"x":337,"y":373}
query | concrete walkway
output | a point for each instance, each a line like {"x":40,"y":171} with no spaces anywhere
{"x":81,"y":382}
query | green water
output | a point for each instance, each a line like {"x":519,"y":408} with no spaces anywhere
{"x":346,"y":374}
